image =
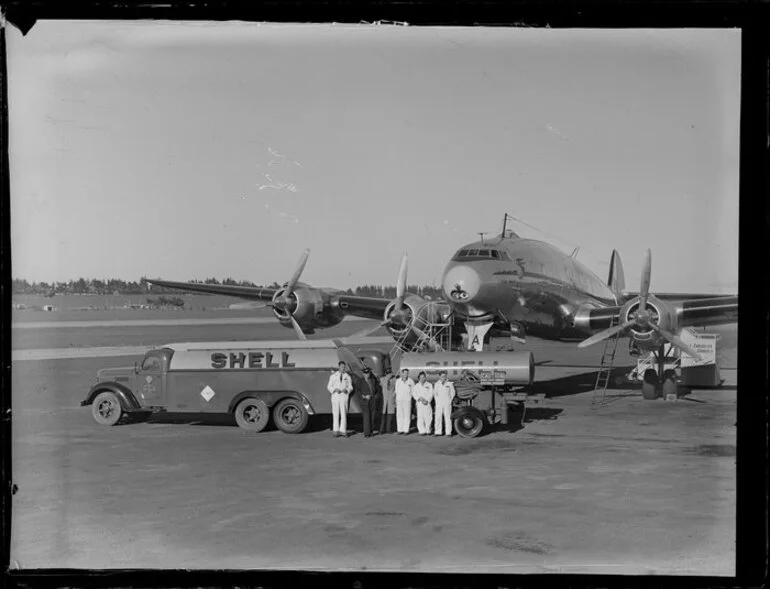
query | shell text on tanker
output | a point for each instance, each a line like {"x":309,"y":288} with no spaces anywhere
{"x":250,"y":360}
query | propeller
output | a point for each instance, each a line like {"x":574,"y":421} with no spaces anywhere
{"x":398,"y":314}
{"x":642,"y":317}
{"x":284,"y":302}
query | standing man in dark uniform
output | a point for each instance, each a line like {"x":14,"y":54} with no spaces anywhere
{"x":388,"y":389}
{"x":369,"y":400}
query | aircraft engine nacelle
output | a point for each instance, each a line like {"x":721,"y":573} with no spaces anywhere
{"x":309,"y":306}
{"x":661,"y":314}
{"x":416,"y":312}
{"x":411,"y":306}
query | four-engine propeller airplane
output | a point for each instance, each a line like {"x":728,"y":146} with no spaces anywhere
{"x":506,"y":285}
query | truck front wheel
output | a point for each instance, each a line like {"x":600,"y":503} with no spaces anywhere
{"x":252,"y":414}
{"x":290,"y":416}
{"x":106,"y":408}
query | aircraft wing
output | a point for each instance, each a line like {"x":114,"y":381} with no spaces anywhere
{"x":693,"y":312}
{"x":702,"y":312}
{"x":367,"y":307}
{"x":251,"y":293}
{"x":678,"y":296}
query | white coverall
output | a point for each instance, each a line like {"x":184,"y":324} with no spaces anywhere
{"x":340,"y":381}
{"x":444,"y":394}
{"x":423,"y":395}
{"x":403,"y":404}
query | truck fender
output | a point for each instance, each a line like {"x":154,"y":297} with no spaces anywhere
{"x":271,"y":398}
{"x":126,"y":397}
{"x":465,"y":410}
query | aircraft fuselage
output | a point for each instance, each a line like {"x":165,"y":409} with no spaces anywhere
{"x":522,"y":281}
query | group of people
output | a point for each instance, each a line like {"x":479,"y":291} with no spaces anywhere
{"x":391,"y":396}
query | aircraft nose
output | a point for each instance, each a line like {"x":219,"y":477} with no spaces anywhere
{"x":461,"y":284}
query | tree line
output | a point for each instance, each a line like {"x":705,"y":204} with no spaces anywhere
{"x":112,"y":286}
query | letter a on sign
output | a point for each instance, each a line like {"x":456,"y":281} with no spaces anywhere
{"x":475,"y":344}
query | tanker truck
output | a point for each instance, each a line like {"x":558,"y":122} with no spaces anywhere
{"x":487,"y":383}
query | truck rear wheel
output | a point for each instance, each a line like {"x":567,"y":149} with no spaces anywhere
{"x":106,"y":408}
{"x":252,"y":414}
{"x":290,"y":416}
{"x":469,"y":425}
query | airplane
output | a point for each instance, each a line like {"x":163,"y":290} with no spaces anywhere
{"x":506,"y":285}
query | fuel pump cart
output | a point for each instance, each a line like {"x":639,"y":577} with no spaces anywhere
{"x":487,"y":384}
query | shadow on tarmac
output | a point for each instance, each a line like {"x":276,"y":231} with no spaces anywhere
{"x":516,"y":423}
{"x":580,"y":383}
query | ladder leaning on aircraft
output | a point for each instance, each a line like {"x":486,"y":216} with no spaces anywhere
{"x":506,"y":285}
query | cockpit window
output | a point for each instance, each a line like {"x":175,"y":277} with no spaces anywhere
{"x":475,"y":254}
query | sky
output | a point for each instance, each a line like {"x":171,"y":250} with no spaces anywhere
{"x":190,"y":150}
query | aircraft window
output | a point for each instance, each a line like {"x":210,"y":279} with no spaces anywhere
{"x":484,"y":253}
{"x":495,"y":253}
{"x":462,"y":253}
{"x":151,"y":363}
{"x":473,"y":252}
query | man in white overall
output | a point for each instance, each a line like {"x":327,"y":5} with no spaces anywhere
{"x":340,"y":386}
{"x":423,"y":395}
{"x":443,"y":393}
{"x":404,"y":386}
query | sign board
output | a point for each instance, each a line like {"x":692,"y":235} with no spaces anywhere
{"x":703,"y":343}
{"x":492,"y":377}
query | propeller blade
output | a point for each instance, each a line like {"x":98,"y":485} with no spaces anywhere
{"x":300,"y":334}
{"x":676,"y":341}
{"x":644,"y":286}
{"x":603,"y":335}
{"x":292,"y":284}
{"x":348,"y":357}
{"x":401,"y":284}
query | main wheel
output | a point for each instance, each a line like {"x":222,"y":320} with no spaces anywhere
{"x":650,"y":384}
{"x":106,"y":408}
{"x":670,"y":385}
{"x":290,"y":416}
{"x":252,"y":414}
{"x":469,"y":425}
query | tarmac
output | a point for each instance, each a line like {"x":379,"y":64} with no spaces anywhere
{"x":626,"y":486}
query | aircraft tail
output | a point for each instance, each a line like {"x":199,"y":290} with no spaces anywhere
{"x":616,"y":280}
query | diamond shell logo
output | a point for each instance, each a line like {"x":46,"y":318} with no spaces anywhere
{"x":208,"y":393}
{"x":148,"y":379}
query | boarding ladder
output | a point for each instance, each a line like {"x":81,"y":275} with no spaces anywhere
{"x":605,"y":366}
{"x":429,"y":328}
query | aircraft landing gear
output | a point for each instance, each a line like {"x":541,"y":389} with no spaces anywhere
{"x":654,"y":385}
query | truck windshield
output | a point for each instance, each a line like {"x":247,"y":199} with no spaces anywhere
{"x":151,"y":363}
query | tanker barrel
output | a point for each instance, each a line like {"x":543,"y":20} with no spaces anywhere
{"x":509,"y":368}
